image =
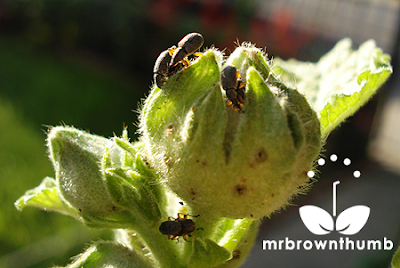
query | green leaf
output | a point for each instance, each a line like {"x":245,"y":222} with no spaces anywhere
{"x":121,"y":189}
{"x":340,"y":82}
{"x":207,"y":253}
{"x":135,"y":191}
{"x":242,"y":250}
{"x":110,"y":255}
{"x":234,"y":233}
{"x":131,"y":148}
{"x":396,"y":259}
{"x":46,"y":197}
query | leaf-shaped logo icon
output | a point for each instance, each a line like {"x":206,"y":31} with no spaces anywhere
{"x":352,"y":220}
{"x":317,"y":220}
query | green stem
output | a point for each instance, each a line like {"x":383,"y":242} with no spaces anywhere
{"x":163,"y":250}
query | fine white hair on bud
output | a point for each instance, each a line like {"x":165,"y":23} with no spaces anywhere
{"x":76,"y":156}
{"x":94,"y":176}
{"x":241,"y":152}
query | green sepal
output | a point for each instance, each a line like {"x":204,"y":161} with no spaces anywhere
{"x":47,"y":197}
{"x":152,"y":188}
{"x":304,"y":124}
{"x":207,"y":253}
{"x":131,"y":149}
{"x":110,"y":255}
{"x":270,"y":123}
{"x":248,"y":55}
{"x":135,"y":189}
{"x":163,"y":108}
{"x":134,"y":195}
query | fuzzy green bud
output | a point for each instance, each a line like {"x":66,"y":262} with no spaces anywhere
{"x":77,"y":158}
{"x":109,"y":254}
{"x":229,"y":162}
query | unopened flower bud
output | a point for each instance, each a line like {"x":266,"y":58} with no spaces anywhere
{"x":231,"y":155}
{"x":77,"y":159}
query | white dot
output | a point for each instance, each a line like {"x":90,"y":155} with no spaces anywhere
{"x":346,"y":161}
{"x":356,"y":174}
{"x":310,"y":174}
{"x":334,"y":158}
{"x":321,"y":161}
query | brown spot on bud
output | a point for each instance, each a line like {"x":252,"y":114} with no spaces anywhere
{"x":240,"y":189}
{"x":261,"y":155}
{"x":192,"y":192}
{"x":170,"y":129}
{"x":236,"y":254}
{"x":203,"y":163}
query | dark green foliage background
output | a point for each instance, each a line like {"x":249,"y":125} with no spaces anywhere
{"x":44,"y":83}
{"x":82,"y":63}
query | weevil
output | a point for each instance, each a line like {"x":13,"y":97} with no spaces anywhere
{"x":187,"y":46}
{"x":234,"y":87}
{"x":172,"y":60}
{"x":181,"y":226}
{"x":161,"y":68}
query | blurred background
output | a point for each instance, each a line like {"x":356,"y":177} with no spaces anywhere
{"x":88,"y":63}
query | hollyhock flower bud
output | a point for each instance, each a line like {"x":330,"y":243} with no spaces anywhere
{"x":77,"y":159}
{"x":234,"y":152}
